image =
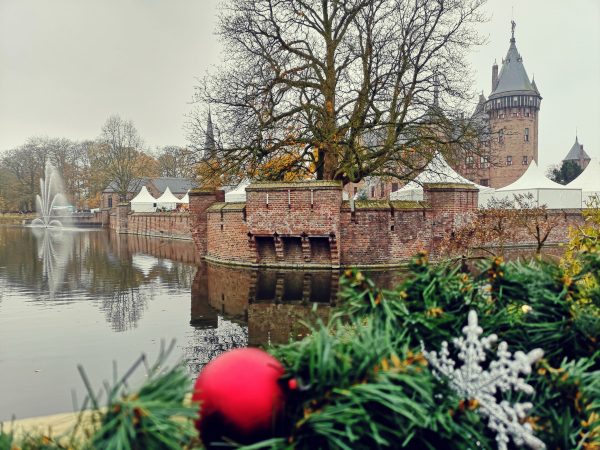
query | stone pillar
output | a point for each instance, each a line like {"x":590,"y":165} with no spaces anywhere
{"x":105,"y":217}
{"x":450,"y":205}
{"x":200,"y":201}
{"x":122,"y":217}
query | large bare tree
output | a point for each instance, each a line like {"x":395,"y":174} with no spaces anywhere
{"x":118,"y":154}
{"x":339,"y":89}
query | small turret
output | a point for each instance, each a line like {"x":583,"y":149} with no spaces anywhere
{"x":494,"y":76}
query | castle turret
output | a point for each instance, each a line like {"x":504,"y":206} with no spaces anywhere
{"x":210,"y":145}
{"x":578,"y":155}
{"x":512,"y":108}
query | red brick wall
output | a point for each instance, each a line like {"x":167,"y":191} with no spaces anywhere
{"x":200,"y":201}
{"x":292,"y":230}
{"x":294,"y":208}
{"x":227,"y":234}
{"x":169,"y":225}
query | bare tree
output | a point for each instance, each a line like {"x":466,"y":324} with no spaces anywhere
{"x":178,"y":162}
{"x":118,"y":153}
{"x":339,"y":89}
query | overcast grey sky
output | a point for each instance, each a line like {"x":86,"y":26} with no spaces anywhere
{"x":66,"y":65}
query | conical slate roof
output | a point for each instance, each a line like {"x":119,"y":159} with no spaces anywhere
{"x":577,"y":152}
{"x":513,"y":78}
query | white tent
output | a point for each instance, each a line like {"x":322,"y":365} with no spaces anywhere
{"x":544,"y":191}
{"x":238,"y":194}
{"x":167,"y":200}
{"x":186,"y":198}
{"x":437,"y":171}
{"x":588,"y":181}
{"x":143,"y":202}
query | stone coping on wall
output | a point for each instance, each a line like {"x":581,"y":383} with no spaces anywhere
{"x":296,"y":185}
{"x":376,"y":205}
{"x":227,"y":207}
{"x":449,"y":186}
{"x":160,"y":214}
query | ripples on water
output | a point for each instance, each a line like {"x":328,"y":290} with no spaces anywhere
{"x":92,"y":297}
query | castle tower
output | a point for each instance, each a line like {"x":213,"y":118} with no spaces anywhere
{"x":511,"y":112}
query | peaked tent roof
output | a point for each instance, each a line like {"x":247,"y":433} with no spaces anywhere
{"x":238,"y":194}
{"x":532,"y":179}
{"x":589,"y":179}
{"x":179,"y":185}
{"x":577,"y":152}
{"x":144,"y":196}
{"x":185,"y":198}
{"x":168,"y":197}
{"x":437,"y":171}
{"x":513,"y":77}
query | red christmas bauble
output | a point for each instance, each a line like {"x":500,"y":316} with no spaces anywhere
{"x":239,"y":395}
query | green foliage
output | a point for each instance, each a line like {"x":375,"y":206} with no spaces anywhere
{"x":566,"y":172}
{"x":154,"y":417}
{"x":364,"y":383}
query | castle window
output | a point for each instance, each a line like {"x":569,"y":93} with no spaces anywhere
{"x":525,"y":160}
{"x":526,"y":134}
{"x":381,"y":190}
{"x":500,"y":136}
{"x":372,"y":191}
{"x":483,"y":162}
{"x":394,"y":187}
{"x":110,"y":201}
{"x":484,"y":182}
{"x":470,"y":161}
{"x":509,"y":160}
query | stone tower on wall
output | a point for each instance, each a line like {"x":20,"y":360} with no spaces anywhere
{"x":512,"y":113}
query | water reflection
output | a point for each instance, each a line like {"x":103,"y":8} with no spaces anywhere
{"x":275,"y":304}
{"x":91,"y":297}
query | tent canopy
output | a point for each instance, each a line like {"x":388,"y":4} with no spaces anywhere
{"x":143,"y":196}
{"x":543,"y":190}
{"x":437,"y":171}
{"x":167,"y":197}
{"x":238,"y":194}
{"x":533,"y":178}
{"x":589,"y":179}
{"x":143,"y":202}
{"x":186,"y":198}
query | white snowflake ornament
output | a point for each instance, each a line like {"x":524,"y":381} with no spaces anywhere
{"x":472,"y":382}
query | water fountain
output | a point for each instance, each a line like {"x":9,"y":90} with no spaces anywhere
{"x":49,"y":198}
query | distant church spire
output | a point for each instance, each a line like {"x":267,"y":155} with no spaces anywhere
{"x":210,"y":145}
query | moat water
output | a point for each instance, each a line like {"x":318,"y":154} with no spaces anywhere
{"x":92,"y":297}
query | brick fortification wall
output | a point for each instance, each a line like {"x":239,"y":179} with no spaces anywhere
{"x":165,"y":225}
{"x":307,"y":224}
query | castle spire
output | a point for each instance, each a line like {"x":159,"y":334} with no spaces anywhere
{"x":209,"y":143}
{"x":513,"y":25}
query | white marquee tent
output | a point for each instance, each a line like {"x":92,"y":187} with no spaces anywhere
{"x":238,"y":194}
{"x":186,"y":198}
{"x":167,"y":200}
{"x":588,"y":181}
{"x":543,"y":190}
{"x":143,"y":202}
{"x":438,"y":171}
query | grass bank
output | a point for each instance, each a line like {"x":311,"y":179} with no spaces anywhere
{"x":14,"y":219}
